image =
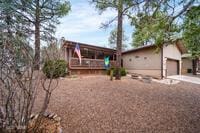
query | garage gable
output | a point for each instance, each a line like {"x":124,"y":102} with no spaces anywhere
{"x":171,"y":51}
{"x":171,"y":60}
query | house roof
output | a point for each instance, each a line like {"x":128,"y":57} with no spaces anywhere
{"x":139,"y":48}
{"x":181,"y":46}
{"x":72,"y":44}
{"x":178,"y":43}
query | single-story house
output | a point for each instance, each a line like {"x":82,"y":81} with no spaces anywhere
{"x":92,"y":57}
{"x":146,"y":60}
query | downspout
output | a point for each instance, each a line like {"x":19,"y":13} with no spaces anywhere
{"x":161,"y":62}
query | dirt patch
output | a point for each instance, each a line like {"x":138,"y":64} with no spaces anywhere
{"x":96,"y":104}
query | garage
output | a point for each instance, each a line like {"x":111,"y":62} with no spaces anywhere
{"x":172,"y":67}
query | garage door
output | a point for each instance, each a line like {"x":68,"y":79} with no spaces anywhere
{"x":172,"y":67}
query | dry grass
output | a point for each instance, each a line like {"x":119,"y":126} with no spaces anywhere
{"x":96,"y":104}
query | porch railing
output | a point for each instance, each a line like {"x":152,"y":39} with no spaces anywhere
{"x":88,"y":63}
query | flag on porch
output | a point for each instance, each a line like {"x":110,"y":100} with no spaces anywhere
{"x":78,"y":52}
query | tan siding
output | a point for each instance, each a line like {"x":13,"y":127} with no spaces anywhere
{"x":152,"y":73}
{"x":170,"y":52}
{"x":144,"y":61}
{"x":186,"y":64}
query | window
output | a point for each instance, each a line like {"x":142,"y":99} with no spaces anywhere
{"x":145,"y":58}
{"x":130,"y":59}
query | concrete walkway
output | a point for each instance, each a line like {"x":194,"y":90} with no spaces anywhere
{"x":195,"y":80}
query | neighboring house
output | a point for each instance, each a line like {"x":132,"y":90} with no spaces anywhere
{"x":146,"y":61}
{"x":187,"y":64}
{"x":92,"y":57}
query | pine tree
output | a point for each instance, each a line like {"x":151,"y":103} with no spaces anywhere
{"x":153,"y":29}
{"x":158,"y":22}
{"x":191,"y":34}
{"x":112,"y":40}
{"x":122,"y":7}
{"x":43,"y":15}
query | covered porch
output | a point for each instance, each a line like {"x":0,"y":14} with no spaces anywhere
{"x":88,"y":63}
{"x":92,"y":56}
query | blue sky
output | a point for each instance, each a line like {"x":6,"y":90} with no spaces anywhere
{"x":83,"y":24}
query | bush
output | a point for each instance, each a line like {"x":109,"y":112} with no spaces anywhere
{"x":55,"y":68}
{"x":122,"y":71}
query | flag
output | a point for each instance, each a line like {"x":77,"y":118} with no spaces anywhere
{"x":78,"y":52}
{"x":107,"y":62}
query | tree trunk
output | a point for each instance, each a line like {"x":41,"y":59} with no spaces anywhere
{"x":194,"y":65}
{"x":37,"y":37}
{"x":119,"y":39}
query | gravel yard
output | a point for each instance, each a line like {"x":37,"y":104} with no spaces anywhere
{"x":96,"y":104}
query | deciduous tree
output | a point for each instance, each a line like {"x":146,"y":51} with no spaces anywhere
{"x":18,"y":80}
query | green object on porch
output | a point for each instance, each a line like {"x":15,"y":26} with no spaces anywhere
{"x":107,"y":62}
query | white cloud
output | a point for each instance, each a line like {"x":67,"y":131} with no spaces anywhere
{"x":83,"y":24}
{"x":83,"y":18}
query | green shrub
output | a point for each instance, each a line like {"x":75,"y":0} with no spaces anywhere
{"x":55,"y":68}
{"x":122,"y":71}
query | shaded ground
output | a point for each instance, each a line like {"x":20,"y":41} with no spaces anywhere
{"x":95,"y":104}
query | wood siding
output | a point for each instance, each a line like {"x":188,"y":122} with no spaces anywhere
{"x":186,"y":64}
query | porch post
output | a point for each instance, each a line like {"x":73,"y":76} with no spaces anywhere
{"x":180,"y":67}
{"x":66,"y":55}
{"x":70,"y":55}
{"x":95,"y":54}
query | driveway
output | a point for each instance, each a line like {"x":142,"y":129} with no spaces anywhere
{"x":191,"y":79}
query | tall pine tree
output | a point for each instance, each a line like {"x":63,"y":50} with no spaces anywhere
{"x":158,"y":22}
{"x":113,"y":39}
{"x":122,"y":7}
{"x":191,"y":34}
{"x":43,"y":15}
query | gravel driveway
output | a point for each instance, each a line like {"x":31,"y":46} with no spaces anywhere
{"x":96,"y":104}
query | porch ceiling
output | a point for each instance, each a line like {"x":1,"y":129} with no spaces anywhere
{"x":72,"y":44}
